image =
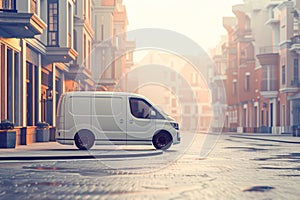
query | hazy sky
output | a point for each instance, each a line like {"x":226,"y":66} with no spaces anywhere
{"x":200,"y":20}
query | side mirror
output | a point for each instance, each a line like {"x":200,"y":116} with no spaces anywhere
{"x":153,"y":113}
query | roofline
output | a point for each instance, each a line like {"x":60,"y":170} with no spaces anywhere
{"x":82,"y":93}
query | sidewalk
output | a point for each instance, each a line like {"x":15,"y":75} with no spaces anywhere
{"x":283,"y":138}
{"x":56,"y":151}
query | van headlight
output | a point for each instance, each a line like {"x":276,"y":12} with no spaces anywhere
{"x":175,"y":125}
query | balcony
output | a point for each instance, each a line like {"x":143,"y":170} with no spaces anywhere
{"x":243,"y":35}
{"x":268,"y":55}
{"x":220,"y":78}
{"x":272,"y":22}
{"x":240,"y":9}
{"x":20,"y":25}
{"x":229,"y":23}
{"x":108,"y":82}
{"x":295,"y":44}
{"x":77,"y":72}
{"x":59,"y":55}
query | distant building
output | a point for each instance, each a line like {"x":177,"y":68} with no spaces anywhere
{"x":176,"y":86}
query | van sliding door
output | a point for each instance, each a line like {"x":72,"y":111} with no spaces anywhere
{"x":109,"y":119}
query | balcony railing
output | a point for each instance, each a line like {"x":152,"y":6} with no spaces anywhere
{"x":295,"y":83}
{"x":8,"y":5}
{"x":268,"y":49}
{"x":296,"y":39}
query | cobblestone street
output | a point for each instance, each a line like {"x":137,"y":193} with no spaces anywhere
{"x":238,"y":167}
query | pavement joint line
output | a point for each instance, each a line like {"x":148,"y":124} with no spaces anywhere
{"x":264,"y":139}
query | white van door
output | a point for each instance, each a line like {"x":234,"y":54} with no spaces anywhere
{"x":140,"y":126}
{"x":109,"y":119}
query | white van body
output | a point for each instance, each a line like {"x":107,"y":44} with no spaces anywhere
{"x":88,"y":118}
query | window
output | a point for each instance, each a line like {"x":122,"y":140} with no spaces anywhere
{"x":296,"y":71}
{"x":255,"y":117}
{"x":283,"y":115}
{"x":70,"y":25}
{"x":245,"y":118}
{"x":53,"y":22}
{"x":283,"y":74}
{"x":262,"y":118}
{"x":141,"y":109}
{"x":234,"y":88}
{"x":247,"y":83}
{"x":84,"y":50}
{"x":10,"y":84}
{"x":89,"y":55}
{"x":7,"y":5}
{"x":75,"y":8}
{"x":84,"y":9}
{"x":2,"y":81}
{"x":102,"y":28}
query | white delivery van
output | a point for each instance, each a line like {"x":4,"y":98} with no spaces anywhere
{"x":88,"y":118}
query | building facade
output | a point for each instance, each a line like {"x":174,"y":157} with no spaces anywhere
{"x":111,"y":50}
{"x":46,"y":49}
{"x":262,"y":75}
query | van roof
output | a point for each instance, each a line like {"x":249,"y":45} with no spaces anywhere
{"x":104,"y":93}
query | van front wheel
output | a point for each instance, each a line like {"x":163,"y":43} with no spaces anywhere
{"x":84,"y":139}
{"x":162,"y":140}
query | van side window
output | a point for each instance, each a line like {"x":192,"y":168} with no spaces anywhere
{"x":142,"y":109}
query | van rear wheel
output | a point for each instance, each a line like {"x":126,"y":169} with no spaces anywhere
{"x":162,"y":140}
{"x":84,"y":139}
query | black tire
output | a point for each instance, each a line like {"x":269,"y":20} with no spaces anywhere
{"x":84,"y":140}
{"x":162,"y":140}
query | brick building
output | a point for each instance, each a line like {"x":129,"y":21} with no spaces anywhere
{"x":262,"y":68}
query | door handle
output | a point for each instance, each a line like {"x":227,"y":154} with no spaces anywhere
{"x":130,"y":121}
{"x":121,"y":121}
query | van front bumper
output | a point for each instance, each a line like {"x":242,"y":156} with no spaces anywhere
{"x":177,"y":141}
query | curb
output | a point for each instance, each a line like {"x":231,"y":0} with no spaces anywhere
{"x":76,"y":157}
{"x":264,"y":139}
